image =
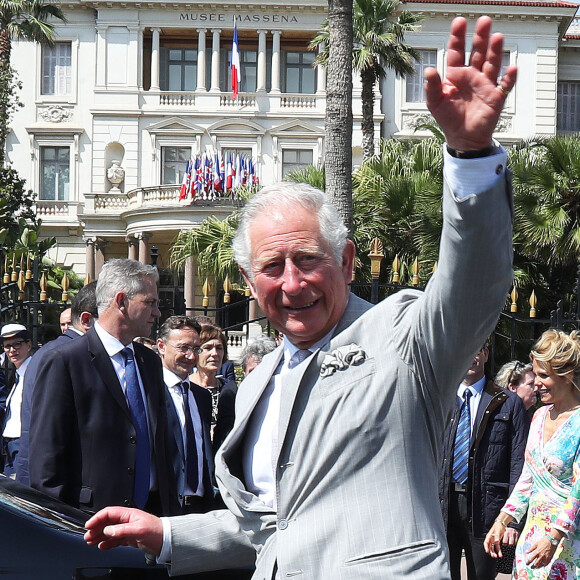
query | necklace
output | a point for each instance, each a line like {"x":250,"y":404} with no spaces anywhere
{"x":562,"y":415}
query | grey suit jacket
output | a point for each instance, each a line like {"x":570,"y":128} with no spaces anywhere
{"x":357,"y":471}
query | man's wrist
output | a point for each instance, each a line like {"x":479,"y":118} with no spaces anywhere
{"x":473,"y":154}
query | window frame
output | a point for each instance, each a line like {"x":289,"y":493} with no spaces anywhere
{"x":163,"y":148}
{"x":41,"y":164}
{"x":49,"y":98}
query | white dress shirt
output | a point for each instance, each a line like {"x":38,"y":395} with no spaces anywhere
{"x":13,"y":426}
{"x":173,"y":384}
{"x":113,"y":347}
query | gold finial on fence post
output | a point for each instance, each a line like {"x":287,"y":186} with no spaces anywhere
{"x":87,"y":279}
{"x":227,"y":289}
{"x":396,"y":268}
{"x":533,"y":303}
{"x":6,"y":278}
{"x":247,"y":292}
{"x":21,"y":285}
{"x":13,"y":275}
{"x":205,"y":289}
{"x":514,"y":297}
{"x":43,"y":285}
{"x":28,"y":269}
{"x":65,"y":287}
{"x":415,"y":270}
{"x":376,"y":255}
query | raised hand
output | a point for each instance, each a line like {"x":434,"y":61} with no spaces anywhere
{"x":468,"y":102}
{"x":118,"y":526}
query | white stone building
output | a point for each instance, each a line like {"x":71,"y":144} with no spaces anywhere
{"x":132,"y":90}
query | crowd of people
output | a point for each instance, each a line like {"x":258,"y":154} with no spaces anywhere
{"x":146,"y":415}
{"x":369,"y":444}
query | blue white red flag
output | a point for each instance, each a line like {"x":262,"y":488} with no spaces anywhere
{"x":185,"y":183}
{"x":235,"y":63}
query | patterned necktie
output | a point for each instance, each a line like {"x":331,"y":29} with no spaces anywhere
{"x":462,"y":437}
{"x":139,"y":417}
{"x":298,"y":357}
{"x":191,"y":458}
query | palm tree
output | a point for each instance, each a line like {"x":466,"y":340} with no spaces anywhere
{"x":379,"y":45}
{"x":546,"y":215}
{"x":27,"y":20}
{"x":338,"y":122}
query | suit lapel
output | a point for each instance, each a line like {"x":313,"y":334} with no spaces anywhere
{"x":148,"y":373}
{"x":483,"y":403}
{"x":104,"y":369}
{"x":173,"y":423}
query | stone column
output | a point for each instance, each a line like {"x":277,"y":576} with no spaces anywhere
{"x":189,"y":285}
{"x":101,"y":55}
{"x":215,"y":61}
{"x":201,"y":60}
{"x":261,"y":80}
{"x":143,"y":247}
{"x":155,"y":59}
{"x":132,"y":244}
{"x":90,"y":258}
{"x":321,"y":74}
{"x":100,"y":245}
{"x":275,"y":61}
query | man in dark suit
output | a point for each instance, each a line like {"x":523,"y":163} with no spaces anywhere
{"x":98,"y":425}
{"x":491,"y":426}
{"x":83,"y":314}
{"x":188,"y":415}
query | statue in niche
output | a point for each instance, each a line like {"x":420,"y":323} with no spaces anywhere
{"x":116,"y":175}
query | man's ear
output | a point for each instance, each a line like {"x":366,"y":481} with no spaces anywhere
{"x":121,"y":301}
{"x":160,"y":347}
{"x":249,"y":283}
{"x":86,"y":320}
{"x":348,"y":256}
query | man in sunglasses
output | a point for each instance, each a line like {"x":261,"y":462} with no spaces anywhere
{"x":17,"y":347}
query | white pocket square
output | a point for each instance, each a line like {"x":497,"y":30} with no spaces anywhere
{"x":341,"y":358}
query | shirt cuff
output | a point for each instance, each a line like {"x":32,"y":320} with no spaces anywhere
{"x":165,"y":554}
{"x":468,"y":177}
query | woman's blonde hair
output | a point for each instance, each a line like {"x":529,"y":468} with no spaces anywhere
{"x":559,"y":353}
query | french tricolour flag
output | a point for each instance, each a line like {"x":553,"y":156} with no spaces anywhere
{"x":235,"y":64}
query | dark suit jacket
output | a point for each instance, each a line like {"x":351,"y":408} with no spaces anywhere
{"x":82,"y":447}
{"x":496,"y":456}
{"x":22,"y":474}
{"x":175,"y":443}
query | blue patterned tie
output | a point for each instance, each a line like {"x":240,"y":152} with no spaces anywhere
{"x":139,"y":417}
{"x":298,"y":357}
{"x":191,"y":458}
{"x":462,"y":437}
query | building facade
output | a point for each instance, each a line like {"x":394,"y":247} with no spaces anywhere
{"x":131,"y":91}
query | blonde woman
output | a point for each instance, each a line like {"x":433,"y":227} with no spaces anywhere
{"x":549,"y":487}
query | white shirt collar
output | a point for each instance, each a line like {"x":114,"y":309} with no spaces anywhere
{"x":290,"y":349}
{"x":111,"y":344}
{"x":23,"y":367}
{"x":476,"y":388}
{"x":171,"y":379}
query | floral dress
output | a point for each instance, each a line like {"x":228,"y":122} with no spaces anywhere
{"x":549,"y":491}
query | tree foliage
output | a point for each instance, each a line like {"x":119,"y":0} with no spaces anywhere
{"x":27,"y":20}
{"x":379,"y":29}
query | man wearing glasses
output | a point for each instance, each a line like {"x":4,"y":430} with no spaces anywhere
{"x":17,"y":347}
{"x":188,"y":415}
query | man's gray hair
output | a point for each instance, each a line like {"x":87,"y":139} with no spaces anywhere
{"x":286,"y":195}
{"x":122,"y":275}
{"x":257,"y":348}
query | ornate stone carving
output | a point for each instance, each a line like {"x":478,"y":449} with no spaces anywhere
{"x":411,"y":122}
{"x":116,"y":175}
{"x":55,"y":114}
{"x":504,"y":124}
